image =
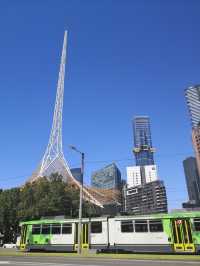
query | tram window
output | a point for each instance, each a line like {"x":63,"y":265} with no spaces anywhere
{"x":197,"y":224}
{"x":96,"y":227}
{"x":155,"y":226}
{"x":66,"y":228}
{"x":127,"y":226}
{"x":45,"y":229}
{"x":36,"y":229}
{"x":56,"y":229}
{"x":141,"y":226}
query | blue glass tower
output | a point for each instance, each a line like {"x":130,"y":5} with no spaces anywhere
{"x":76,"y":172}
{"x":192,"y":95}
{"x":108,"y":177}
{"x":143,"y":149}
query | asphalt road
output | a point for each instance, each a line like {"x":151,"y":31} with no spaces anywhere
{"x":64,"y":261}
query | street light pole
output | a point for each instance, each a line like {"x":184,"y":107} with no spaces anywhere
{"x":80,"y":199}
{"x":80,"y":204}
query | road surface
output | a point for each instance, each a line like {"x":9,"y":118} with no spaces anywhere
{"x":65,"y":261}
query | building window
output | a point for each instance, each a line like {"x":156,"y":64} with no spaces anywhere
{"x":127,"y":226}
{"x":56,"y":229}
{"x":67,"y":229}
{"x":36,"y":229}
{"x":141,"y":226}
{"x":197,"y":224}
{"x":46,"y":229}
{"x":96,"y":227}
{"x":132,"y":191}
{"x":155,"y":226}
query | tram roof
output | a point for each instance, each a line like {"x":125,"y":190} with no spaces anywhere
{"x":174,"y":215}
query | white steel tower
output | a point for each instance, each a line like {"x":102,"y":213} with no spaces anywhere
{"x":53,"y":160}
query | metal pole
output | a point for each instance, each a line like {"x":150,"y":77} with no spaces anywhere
{"x":80,"y":204}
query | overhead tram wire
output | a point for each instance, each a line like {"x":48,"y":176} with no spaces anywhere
{"x":131,"y":159}
{"x":105,"y":161}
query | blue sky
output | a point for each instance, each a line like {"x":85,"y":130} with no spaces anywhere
{"x":125,"y":58}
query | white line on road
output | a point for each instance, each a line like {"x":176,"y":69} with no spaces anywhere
{"x":41,"y":263}
{"x":168,"y":261}
{"x":172,"y":262}
{"x":131,"y":261}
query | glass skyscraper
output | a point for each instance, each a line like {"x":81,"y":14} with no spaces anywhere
{"x":108,"y":177}
{"x":192,"y":179}
{"x":192,"y":95}
{"x":76,"y":172}
{"x":145,"y":193}
{"x":143,"y":149}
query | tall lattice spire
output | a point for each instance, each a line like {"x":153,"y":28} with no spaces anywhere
{"x":53,"y":160}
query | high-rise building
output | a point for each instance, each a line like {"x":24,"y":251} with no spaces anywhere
{"x":150,"y":173}
{"x":192,"y":179}
{"x":192,"y":95}
{"x":192,"y":165}
{"x":76,"y":172}
{"x":143,"y":149}
{"x":141,"y":175}
{"x":144,"y":193}
{"x":196,"y":145}
{"x":133,"y":176}
{"x":108,"y":177}
{"x":146,"y":199}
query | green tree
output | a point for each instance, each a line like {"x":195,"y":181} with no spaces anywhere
{"x":9,"y":200}
{"x":46,"y":197}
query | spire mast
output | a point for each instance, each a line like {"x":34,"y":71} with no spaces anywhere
{"x":53,"y":160}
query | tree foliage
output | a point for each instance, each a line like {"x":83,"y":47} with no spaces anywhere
{"x":9,"y":200}
{"x":46,"y":197}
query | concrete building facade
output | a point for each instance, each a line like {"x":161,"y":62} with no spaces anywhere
{"x":133,"y":176}
{"x":150,"y":198}
{"x":140,"y":175}
{"x":150,"y":173}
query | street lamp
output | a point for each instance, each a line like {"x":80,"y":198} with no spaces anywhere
{"x":81,"y":197}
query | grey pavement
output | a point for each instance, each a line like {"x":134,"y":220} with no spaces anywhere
{"x":8,"y":250}
{"x":65,"y":261}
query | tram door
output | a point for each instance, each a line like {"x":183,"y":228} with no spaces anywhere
{"x":23,"y":237}
{"x":182,"y":235}
{"x":84,"y":236}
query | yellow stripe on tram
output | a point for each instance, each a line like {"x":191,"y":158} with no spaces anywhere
{"x":189,"y":246}
{"x":179,"y":246}
{"x":85,"y":234}
{"x":186,"y":229}
{"x":178,"y":241}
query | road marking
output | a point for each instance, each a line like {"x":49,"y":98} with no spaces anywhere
{"x":169,"y":261}
{"x":31,"y":263}
{"x":41,"y":263}
{"x":131,"y":261}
